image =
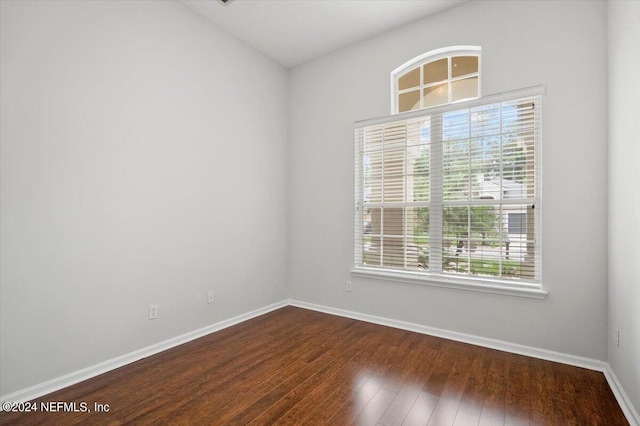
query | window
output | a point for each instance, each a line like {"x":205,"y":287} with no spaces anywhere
{"x":438,"y":77}
{"x":452,"y":194}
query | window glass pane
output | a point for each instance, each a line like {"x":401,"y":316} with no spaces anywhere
{"x":409,"y":101}
{"x":393,"y":188}
{"x":485,"y":168}
{"x":456,"y":176}
{"x":517,"y":166}
{"x":394,"y":169}
{"x":435,"y":95}
{"x":455,"y":235}
{"x":473,"y":243}
{"x":455,"y":125}
{"x":456,"y":151}
{"x":414,"y":134}
{"x":484,"y":222}
{"x":517,"y":262}
{"x":518,"y":251}
{"x":373,"y":138}
{"x":462,"y":65}
{"x":372,"y":187}
{"x":393,"y":223}
{"x":372,"y":216}
{"x":418,"y":238}
{"x":393,"y":252}
{"x":484,"y":260}
{"x":372,"y":250}
{"x":485,"y":120}
{"x":371,"y":229}
{"x":394,"y":161}
{"x":409,"y":79}
{"x":516,"y":223}
{"x":518,"y":116}
{"x":393,"y":248}
{"x":418,"y":185}
{"x":372,"y":162}
{"x":464,"y":89}
{"x":395,"y":135}
{"x":436,"y":71}
{"x":425,"y":131}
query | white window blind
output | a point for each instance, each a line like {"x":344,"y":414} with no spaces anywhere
{"x":437,"y":188}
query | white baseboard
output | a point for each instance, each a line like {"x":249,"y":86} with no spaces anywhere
{"x":103,"y":367}
{"x":78,"y":376}
{"x":501,"y":345}
{"x":623,"y":399}
{"x":577,"y":361}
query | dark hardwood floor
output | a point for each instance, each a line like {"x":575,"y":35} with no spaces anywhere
{"x":299,"y":367}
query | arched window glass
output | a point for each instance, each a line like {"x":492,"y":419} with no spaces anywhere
{"x":438,"y":77}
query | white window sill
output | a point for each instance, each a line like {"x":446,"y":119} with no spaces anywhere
{"x":471,"y":284}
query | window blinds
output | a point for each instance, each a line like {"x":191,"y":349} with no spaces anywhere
{"x":453,"y":190}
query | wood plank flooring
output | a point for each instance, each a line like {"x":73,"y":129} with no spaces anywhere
{"x":299,"y":367}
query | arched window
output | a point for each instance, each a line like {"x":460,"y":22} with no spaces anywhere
{"x":438,"y":77}
{"x":450,"y":194}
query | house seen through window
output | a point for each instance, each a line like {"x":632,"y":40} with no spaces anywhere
{"x":450,"y":190}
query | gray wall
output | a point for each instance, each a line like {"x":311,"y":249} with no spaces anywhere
{"x":624,"y":194}
{"x":559,"y":44}
{"x":143,"y":162}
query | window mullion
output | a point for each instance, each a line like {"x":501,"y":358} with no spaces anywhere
{"x":501,"y":215}
{"x":405,"y":218}
{"x":470,"y":183}
{"x":436,"y":194}
{"x":359,"y":196}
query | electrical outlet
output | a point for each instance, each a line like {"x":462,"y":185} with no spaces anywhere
{"x":153,"y":312}
{"x":348,"y":285}
{"x":210,"y":297}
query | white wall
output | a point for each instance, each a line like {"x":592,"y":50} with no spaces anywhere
{"x":624,"y":194}
{"x":143,"y":162}
{"x":559,"y":44}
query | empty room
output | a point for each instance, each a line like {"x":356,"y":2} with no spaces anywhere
{"x":332,"y":212}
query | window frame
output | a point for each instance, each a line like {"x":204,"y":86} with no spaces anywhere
{"x":525,"y":288}
{"x":431,"y":56}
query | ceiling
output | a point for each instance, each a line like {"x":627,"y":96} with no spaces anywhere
{"x":292,"y":32}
